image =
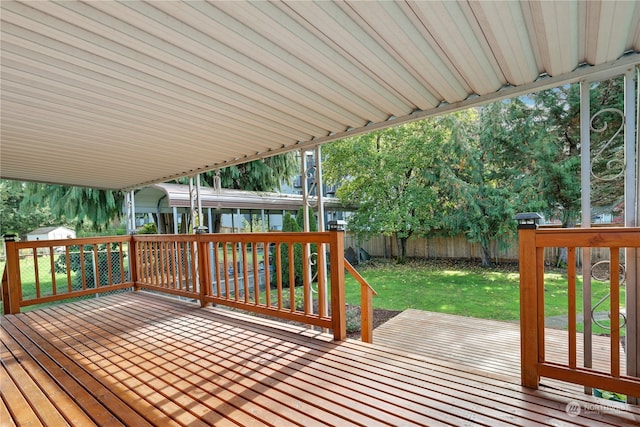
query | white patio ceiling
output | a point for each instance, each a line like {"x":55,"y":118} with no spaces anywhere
{"x":123,"y":94}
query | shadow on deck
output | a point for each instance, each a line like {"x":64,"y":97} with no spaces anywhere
{"x":139,"y":359}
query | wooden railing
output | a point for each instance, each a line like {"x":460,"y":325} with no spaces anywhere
{"x":167,"y":264}
{"x":63,"y":269}
{"x":265,"y":273}
{"x":532,"y":302}
{"x":366,"y":304}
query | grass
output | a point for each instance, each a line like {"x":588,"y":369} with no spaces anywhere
{"x":598,"y":330}
{"x":441,"y":286}
{"x":466,"y":290}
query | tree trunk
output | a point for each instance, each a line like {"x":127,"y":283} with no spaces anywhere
{"x":217,"y":223}
{"x":402,"y":248}
{"x":563,"y":254}
{"x":486,"y":256}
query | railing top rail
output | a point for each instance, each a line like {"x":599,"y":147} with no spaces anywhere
{"x":275,"y":237}
{"x":71,"y":242}
{"x":351,"y":269}
{"x":165,"y":237}
{"x":588,"y":237}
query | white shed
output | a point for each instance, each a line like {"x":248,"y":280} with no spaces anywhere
{"x":51,"y":233}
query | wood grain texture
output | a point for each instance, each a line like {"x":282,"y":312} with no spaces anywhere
{"x":143,"y":359}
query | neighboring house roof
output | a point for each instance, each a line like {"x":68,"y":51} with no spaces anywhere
{"x":125,"y":94}
{"x":165,"y":196}
{"x":47,"y":230}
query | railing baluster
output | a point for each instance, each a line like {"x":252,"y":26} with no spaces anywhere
{"x":36,"y":271}
{"x":322,"y":291}
{"x":292,"y":278}
{"x":54,"y":287}
{"x":121,"y":261}
{"x":279,"y":274}
{"x":306,"y":285}
{"x":614,"y":289}
{"x":68,"y":269}
{"x":225,"y":258}
{"x":83,"y":268}
{"x":109,"y":266}
{"x":571,"y":277}
{"x":256,"y":273}
{"x":216,"y":262}
{"x":245,"y":273}
{"x":267,"y":272}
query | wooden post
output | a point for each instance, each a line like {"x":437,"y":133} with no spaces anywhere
{"x":5,"y":291}
{"x":366,"y":304}
{"x":529,"y":333}
{"x":338,"y":308}
{"x":204,"y":269}
{"x":133,"y":262}
{"x":366,"y":313}
{"x":11,"y":285}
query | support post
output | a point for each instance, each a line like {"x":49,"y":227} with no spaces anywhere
{"x":632,"y":219}
{"x":338,"y":308}
{"x":204,"y":272}
{"x":529,"y":333}
{"x":133,"y":262}
{"x":585,"y":185}
{"x":11,"y":285}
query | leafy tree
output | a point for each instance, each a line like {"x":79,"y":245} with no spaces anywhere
{"x":389,"y":175}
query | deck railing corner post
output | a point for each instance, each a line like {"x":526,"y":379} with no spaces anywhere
{"x":11,"y":285}
{"x":338,"y":307}
{"x":133,"y":261}
{"x":527,"y":226}
{"x":204,"y":268}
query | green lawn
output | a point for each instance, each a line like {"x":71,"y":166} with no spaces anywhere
{"x":440,"y":286}
{"x":458,"y":289}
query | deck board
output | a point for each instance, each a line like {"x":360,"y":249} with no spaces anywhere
{"x":488,"y":346}
{"x":142,"y":359}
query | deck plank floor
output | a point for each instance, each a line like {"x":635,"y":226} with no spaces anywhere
{"x":139,"y":359}
{"x":487,"y":346}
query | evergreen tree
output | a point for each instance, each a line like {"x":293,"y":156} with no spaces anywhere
{"x":290,"y":224}
{"x":488,"y":178}
{"x":14,"y":220}
{"x":558,"y":114}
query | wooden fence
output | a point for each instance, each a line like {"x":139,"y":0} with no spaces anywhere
{"x":455,"y":247}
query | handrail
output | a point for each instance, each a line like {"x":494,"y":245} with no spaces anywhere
{"x":256,"y":272}
{"x":366,"y":304}
{"x":63,"y":269}
{"x":534,"y":360}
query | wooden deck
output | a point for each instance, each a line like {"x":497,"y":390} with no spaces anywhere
{"x":489,"y":346}
{"x":139,"y":359}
